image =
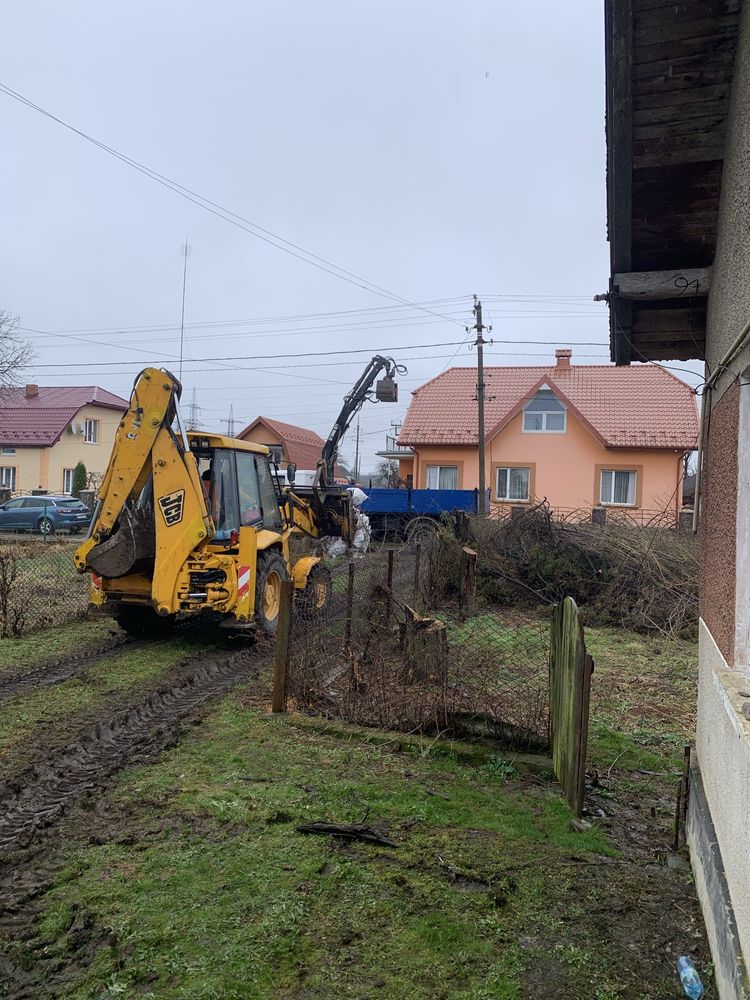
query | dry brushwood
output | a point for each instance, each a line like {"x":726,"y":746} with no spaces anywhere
{"x":348,"y":831}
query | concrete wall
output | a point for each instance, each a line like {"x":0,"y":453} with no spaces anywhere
{"x":565,"y":467}
{"x":42,"y":468}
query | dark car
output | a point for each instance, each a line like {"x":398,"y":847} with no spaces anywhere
{"x":47,"y":514}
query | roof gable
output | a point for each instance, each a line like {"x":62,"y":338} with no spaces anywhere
{"x":39,"y":421}
{"x":636,"y":407}
{"x":301,"y":446}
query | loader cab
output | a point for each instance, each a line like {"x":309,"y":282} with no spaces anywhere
{"x":238,"y":484}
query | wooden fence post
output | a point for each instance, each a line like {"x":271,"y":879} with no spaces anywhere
{"x":417,"y":581}
{"x":349,"y":610}
{"x":467,"y":592}
{"x":571,"y":668}
{"x":281,"y":662}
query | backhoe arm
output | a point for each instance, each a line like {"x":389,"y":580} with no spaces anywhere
{"x":166,"y":528}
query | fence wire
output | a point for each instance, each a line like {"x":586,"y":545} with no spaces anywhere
{"x":397,"y":648}
{"x":39,"y":585}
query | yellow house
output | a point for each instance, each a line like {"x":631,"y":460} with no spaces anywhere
{"x":46,"y":430}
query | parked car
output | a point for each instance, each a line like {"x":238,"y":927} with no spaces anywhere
{"x":47,"y":514}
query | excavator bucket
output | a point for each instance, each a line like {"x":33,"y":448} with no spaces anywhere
{"x":133,"y":540}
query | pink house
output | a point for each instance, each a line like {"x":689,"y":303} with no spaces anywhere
{"x":578,"y":435}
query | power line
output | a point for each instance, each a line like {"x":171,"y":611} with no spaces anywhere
{"x":324,"y":354}
{"x":233,"y":218}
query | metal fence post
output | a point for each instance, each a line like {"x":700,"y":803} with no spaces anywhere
{"x":417,"y":560}
{"x":349,"y":610}
{"x":281,"y":663}
{"x":389,"y":584}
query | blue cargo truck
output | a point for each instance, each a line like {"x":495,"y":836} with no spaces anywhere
{"x":414,"y":514}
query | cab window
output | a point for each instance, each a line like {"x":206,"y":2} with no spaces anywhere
{"x":247,"y":483}
{"x":223,"y":494}
{"x":268,"y":499}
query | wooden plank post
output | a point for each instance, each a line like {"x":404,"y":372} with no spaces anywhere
{"x":570,"y":669}
{"x":467,"y":592}
{"x":417,"y":579}
{"x":349,"y":610}
{"x":283,"y":635}
{"x":389,"y":584}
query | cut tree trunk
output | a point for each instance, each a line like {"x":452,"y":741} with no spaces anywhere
{"x":424,"y":643}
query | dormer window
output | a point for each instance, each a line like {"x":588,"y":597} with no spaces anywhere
{"x":544,"y":414}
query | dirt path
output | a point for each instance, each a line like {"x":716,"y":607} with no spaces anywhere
{"x":35,"y":801}
{"x":40,"y":795}
{"x":62,"y":669}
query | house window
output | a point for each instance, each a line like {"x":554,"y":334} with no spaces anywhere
{"x":7,"y":449}
{"x":442,"y":477}
{"x":68,"y":480}
{"x":545,"y":414}
{"x":618,"y":487}
{"x":513,"y":484}
{"x":8,"y":477}
{"x":91,"y":431}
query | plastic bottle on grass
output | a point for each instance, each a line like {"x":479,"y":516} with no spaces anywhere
{"x":691,"y":981}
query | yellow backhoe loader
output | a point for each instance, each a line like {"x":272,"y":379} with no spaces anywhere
{"x":194,"y":523}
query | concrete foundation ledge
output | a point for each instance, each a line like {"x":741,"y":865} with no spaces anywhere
{"x":730,"y":970}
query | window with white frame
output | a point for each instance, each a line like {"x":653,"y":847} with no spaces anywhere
{"x":512,"y":484}
{"x":442,"y":477}
{"x":618,"y":487}
{"x":7,"y":449}
{"x":68,"y":480}
{"x":544,"y":414}
{"x":8,"y":477}
{"x":91,"y":431}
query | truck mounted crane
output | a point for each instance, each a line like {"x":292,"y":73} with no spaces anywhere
{"x":193,"y":523}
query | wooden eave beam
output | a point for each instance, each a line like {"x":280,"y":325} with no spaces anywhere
{"x":684,"y":283}
{"x":619,"y":93}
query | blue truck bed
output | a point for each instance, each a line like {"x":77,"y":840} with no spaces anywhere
{"x":428,"y":502}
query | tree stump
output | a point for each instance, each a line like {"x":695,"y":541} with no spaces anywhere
{"x":468,"y":583}
{"x":424,"y":643}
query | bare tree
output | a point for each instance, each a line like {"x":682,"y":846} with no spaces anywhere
{"x":15,"y":352}
{"x":386,"y":472}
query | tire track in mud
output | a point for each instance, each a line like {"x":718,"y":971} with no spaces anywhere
{"x":65,"y":668}
{"x":33,"y":801}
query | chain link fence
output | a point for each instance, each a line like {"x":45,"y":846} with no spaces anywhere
{"x":406,"y":644}
{"x":38,"y":584}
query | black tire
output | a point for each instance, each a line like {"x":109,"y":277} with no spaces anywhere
{"x":423,"y":529}
{"x":316,"y":597}
{"x":46,"y":527}
{"x":142,"y":622}
{"x":272,"y":570}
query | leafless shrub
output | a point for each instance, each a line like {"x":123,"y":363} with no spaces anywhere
{"x":15,"y":352}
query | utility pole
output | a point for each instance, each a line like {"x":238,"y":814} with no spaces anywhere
{"x":356,"y":455}
{"x":230,"y":422}
{"x":186,"y":251}
{"x":480,"y":398}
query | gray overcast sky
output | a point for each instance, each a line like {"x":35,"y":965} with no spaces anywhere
{"x":436,"y":149}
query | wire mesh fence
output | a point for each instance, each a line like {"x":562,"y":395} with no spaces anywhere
{"x":38,"y":584}
{"x":403,"y":645}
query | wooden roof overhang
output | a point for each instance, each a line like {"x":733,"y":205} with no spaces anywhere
{"x":669,"y":66}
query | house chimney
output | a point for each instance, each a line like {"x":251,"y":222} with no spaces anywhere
{"x":563,"y":356}
{"x":32,"y":390}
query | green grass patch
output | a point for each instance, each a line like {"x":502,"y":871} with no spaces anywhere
{"x":215,"y":894}
{"x":52,"y":644}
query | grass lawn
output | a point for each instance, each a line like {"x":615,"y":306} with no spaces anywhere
{"x":188,"y":880}
{"x":200,"y":886}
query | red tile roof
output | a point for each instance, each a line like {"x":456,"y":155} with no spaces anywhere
{"x":629,"y":407}
{"x":301,"y":446}
{"x":39,"y":421}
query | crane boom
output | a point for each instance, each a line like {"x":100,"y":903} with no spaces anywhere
{"x":386,"y":391}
